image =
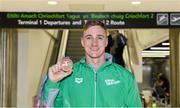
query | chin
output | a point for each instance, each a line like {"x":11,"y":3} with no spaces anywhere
{"x":95,"y":55}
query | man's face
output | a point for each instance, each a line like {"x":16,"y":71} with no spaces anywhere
{"x":94,"y":41}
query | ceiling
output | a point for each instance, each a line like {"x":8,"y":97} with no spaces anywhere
{"x":159,"y":50}
{"x":90,"y":6}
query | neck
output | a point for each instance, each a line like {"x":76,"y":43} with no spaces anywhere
{"x":96,"y":62}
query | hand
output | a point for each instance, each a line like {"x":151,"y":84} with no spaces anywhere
{"x":60,"y":70}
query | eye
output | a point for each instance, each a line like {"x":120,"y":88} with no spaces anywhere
{"x":100,"y":38}
{"x":88,"y":37}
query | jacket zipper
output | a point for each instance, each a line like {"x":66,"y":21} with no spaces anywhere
{"x":95,"y":84}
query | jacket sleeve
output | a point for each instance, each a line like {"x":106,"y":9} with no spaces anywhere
{"x":51,"y":96}
{"x":133,"y":98}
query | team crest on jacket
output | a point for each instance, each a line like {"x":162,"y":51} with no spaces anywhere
{"x":78,"y":80}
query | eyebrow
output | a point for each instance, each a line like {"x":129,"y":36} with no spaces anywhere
{"x":99,"y":35}
{"x":87,"y":35}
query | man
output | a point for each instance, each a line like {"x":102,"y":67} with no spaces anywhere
{"x":94,"y":81}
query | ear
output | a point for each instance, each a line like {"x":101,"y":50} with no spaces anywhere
{"x":82,"y":42}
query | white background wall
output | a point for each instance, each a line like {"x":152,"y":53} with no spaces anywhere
{"x":32,"y":49}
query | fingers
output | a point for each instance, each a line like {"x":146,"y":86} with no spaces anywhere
{"x":55,"y":73}
{"x":65,"y":66}
{"x":55,"y":68}
{"x":60,"y":70}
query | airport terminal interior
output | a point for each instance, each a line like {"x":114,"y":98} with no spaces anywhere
{"x":32,"y":51}
{"x":151,"y":54}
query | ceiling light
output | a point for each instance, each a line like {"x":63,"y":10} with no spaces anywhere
{"x":135,"y":2}
{"x":151,"y":55}
{"x":165,"y":44}
{"x":155,"y":53}
{"x":52,"y":2}
{"x":159,"y":48}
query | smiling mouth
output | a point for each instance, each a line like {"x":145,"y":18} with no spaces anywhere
{"x":94,"y":49}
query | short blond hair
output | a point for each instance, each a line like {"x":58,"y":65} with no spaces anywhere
{"x":91,"y":23}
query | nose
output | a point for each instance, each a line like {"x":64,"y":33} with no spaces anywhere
{"x":95,"y":42}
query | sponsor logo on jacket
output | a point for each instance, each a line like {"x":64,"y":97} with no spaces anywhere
{"x":78,"y":80}
{"x":111,"y":82}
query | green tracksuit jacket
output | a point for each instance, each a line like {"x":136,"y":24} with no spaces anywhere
{"x":109,"y":86}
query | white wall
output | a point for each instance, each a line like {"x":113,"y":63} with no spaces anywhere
{"x":22,"y":69}
{"x":32,"y":49}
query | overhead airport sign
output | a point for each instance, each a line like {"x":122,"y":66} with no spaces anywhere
{"x":75,"y":20}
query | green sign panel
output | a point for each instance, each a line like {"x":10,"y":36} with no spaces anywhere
{"x":75,"y":20}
